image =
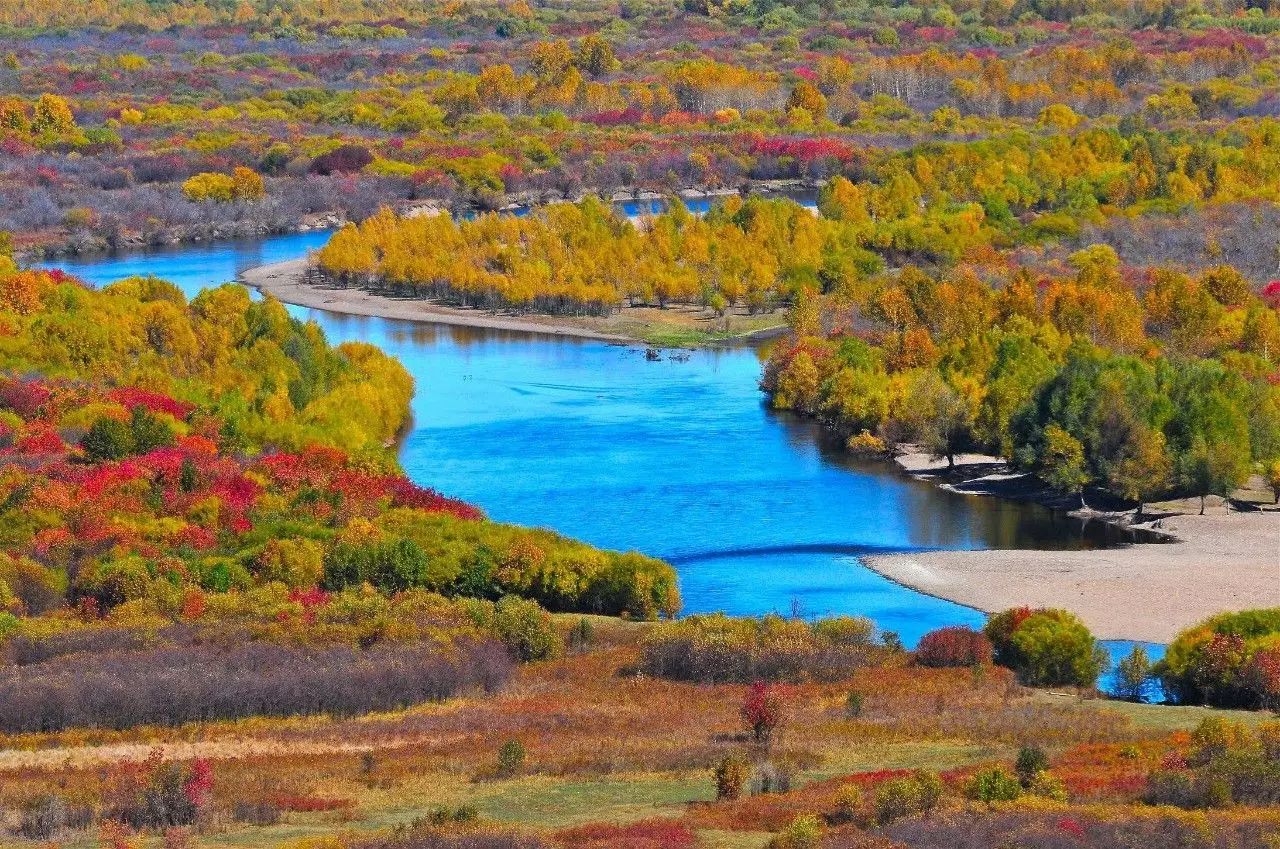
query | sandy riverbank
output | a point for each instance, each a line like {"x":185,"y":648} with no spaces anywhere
{"x":284,"y":281}
{"x":674,"y":326}
{"x":1221,"y":561}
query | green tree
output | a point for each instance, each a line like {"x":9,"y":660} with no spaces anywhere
{"x":595,"y":57}
{"x":1145,"y":470}
{"x":149,"y":430}
{"x":1132,"y":674}
{"x":1062,"y":465}
{"x":1212,"y":469}
{"x":1209,"y":429}
{"x":939,"y":417}
{"x":107,"y":439}
{"x":1272,"y":474}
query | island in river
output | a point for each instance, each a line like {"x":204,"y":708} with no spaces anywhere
{"x":674,"y":326}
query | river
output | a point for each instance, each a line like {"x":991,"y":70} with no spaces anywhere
{"x":678,"y":458}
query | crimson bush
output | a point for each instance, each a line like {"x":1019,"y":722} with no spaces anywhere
{"x":954,"y":646}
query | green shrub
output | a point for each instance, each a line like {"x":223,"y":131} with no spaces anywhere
{"x":1046,"y":647}
{"x":582,"y":635}
{"x":731,"y":776}
{"x":803,"y":832}
{"x":393,"y":565}
{"x":107,"y":439}
{"x":1031,"y":761}
{"x":1047,"y":786}
{"x":511,"y":757}
{"x":853,"y":704}
{"x":994,"y":785}
{"x":1132,"y":674}
{"x":904,"y":797}
{"x":718,"y":648}
{"x":848,"y":801}
{"x":1229,"y":660}
{"x":523,"y":626}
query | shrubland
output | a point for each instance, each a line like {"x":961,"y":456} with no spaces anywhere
{"x":587,"y":745}
{"x":1229,"y":660}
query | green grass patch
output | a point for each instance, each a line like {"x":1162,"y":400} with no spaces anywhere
{"x":554,"y":803}
{"x":1180,"y":717}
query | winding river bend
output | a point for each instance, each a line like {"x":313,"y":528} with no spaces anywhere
{"x":677,"y":458}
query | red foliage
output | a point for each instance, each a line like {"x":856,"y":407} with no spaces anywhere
{"x":131,"y":396}
{"x":41,"y":439}
{"x":198,"y":787}
{"x":876,"y":777}
{"x":803,"y":149}
{"x":1262,"y":676}
{"x":1101,"y":772}
{"x":405,"y":493}
{"x":1271,"y":294}
{"x":24,"y":397}
{"x":314,"y":465}
{"x":1067,"y":825}
{"x":761,"y":711}
{"x":309,"y":597}
{"x":940,"y":35}
{"x":650,"y":834}
{"x":954,"y":646}
{"x":193,"y":604}
{"x":615,"y":117}
{"x":87,"y":609}
{"x":308,"y":804}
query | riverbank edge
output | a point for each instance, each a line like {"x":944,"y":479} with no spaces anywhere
{"x":1144,"y":592}
{"x":284,"y":281}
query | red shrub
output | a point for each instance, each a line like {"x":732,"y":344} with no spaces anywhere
{"x":131,"y":396}
{"x":24,"y":397}
{"x":651,"y":834}
{"x":954,"y":646}
{"x":40,"y":440}
{"x":405,"y":493}
{"x":760,"y":711}
{"x":1271,"y":294}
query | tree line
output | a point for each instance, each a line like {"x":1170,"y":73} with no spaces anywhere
{"x":1141,"y":383}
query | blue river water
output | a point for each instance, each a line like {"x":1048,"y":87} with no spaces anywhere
{"x":678,"y":458}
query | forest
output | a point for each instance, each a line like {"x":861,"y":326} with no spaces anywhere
{"x":1047,"y":231}
{"x":146,"y":123}
{"x":1137,"y":382}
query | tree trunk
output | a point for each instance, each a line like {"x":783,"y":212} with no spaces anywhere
{"x":1202,"y":505}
